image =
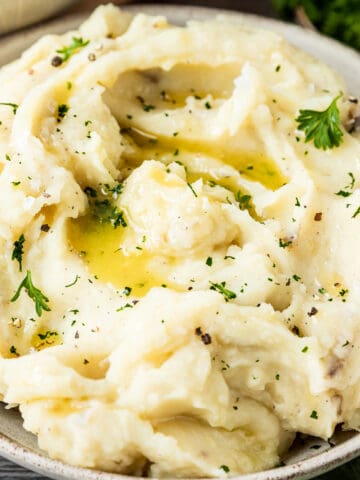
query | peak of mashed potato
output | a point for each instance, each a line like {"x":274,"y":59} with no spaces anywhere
{"x":179,"y":281}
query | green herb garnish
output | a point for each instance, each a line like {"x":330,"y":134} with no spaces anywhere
{"x":13,"y":350}
{"x":323,"y":127}
{"x":62,"y":111}
{"x":220,"y":288}
{"x":68,"y":51}
{"x":34,"y":293}
{"x":104,"y":209}
{"x":192,"y":189}
{"x":72,"y":283}
{"x":284,"y":243}
{"x":18,"y":250}
{"x":48,"y":334}
{"x":243,"y":200}
{"x":14,"y":106}
{"x":225,"y":468}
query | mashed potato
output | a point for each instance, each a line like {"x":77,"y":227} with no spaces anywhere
{"x":179,"y":282}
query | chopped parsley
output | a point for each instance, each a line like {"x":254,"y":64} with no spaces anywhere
{"x":284,"y":243}
{"x":102,"y":208}
{"x":192,"y":189}
{"x":106,"y":212}
{"x":209,"y":261}
{"x":343,"y":193}
{"x":243,"y":200}
{"x":220,"y":288}
{"x":90,"y":192}
{"x":114,"y":191}
{"x":66,"y":52}
{"x":13,"y":350}
{"x":305,"y":349}
{"x":356,"y":213}
{"x":127,"y":291}
{"x":18,"y":251}
{"x":47,"y":335}
{"x":62,"y":111}
{"x":146,"y":106}
{"x":72,"y":283}
{"x":314,"y":415}
{"x":225,"y":468}
{"x":127,"y":305}
{"x":323,"y":127}
{"x":34,"y":293}
{"x":14,"y":106}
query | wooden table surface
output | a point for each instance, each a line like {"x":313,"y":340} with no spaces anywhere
{"x":9,"y":470}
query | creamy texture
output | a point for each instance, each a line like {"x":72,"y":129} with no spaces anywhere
{"x":221,"y":315}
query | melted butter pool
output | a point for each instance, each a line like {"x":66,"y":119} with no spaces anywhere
{"x":254,"y":166}
{"x":99,"y":245}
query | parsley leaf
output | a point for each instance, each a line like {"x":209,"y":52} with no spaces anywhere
{"x":34,"y":293}
{"x":67,"y":52}
{"x":48,"y":334}
{"x":18,"y":250}
{"x":225,"y":468}
{"x":283,"y":243}
{"x":62,"y":111}
{"x":323,"y":127}
{"x":102,"y":208}
{"x":243,"y":200}
{"x":106,"y":212}
{"x":14,"y":106}
{"x":220,"y":288}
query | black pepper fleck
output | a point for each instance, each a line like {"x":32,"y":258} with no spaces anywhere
{"x":206,"y":338}
{"x":56,"y":61}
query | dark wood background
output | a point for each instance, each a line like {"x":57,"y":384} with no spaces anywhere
{"x":350,"y":471}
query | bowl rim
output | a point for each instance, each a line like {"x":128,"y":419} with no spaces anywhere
{"x":304,"y":469}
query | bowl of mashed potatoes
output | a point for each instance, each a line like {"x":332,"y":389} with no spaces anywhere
{"x":178,"y":232}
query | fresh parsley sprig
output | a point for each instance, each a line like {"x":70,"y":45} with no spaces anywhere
{"x":34,"y":293}
{"x":66,"y":52}
{"x":323,"y":127}
{"x":18,"y":251}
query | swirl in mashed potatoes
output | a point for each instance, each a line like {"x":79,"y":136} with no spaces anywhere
{"x":179,"y":282}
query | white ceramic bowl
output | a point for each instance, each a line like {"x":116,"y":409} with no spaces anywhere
{"x":303,"y":461}
{"x":18,"y":13}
